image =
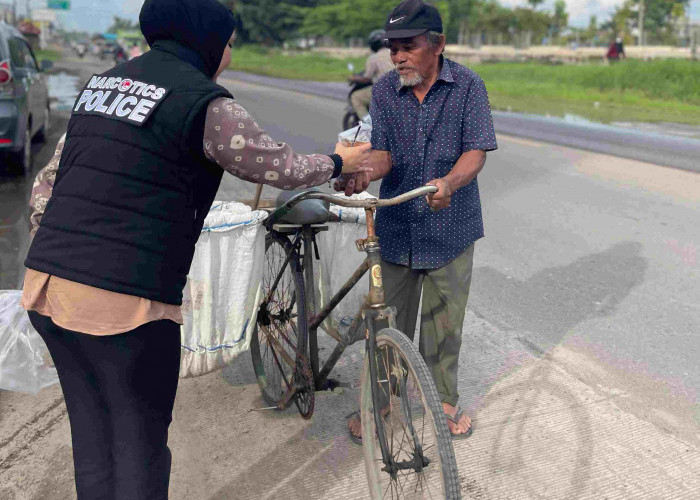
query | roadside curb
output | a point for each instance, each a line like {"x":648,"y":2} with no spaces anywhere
{"x":659,"y":149}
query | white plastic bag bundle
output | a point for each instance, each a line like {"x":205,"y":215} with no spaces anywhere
{"x":339,"y":260}
{"x":224,"y":288}
{"x":24,"y":365}
{"x":357,"y":135}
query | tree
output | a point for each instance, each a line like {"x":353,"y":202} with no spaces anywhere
{"x":272,"y":22}
{"x":535,"y":3}
{"x":561,"y":16}
{"x":344,"y":19}
{"x":122,"y":23}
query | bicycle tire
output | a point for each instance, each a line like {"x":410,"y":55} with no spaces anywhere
{"x":276,"y":318}
{"x":440,"y":478}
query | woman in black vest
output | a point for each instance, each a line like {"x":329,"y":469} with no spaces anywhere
{"x":117,"y":213}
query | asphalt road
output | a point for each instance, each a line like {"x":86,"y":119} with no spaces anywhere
{"x":579,"y":360}
{"x":670,"y":146}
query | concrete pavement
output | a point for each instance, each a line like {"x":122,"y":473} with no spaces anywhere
{"x":579,"y":361}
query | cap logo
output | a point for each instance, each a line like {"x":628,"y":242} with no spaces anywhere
{"x":392,"y":20}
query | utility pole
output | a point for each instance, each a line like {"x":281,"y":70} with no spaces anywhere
{"x":640,"y":23}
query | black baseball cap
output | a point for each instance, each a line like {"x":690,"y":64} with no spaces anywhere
{"x":412,"y":18}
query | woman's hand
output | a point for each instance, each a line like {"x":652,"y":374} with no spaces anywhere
{"x":354,"y":157}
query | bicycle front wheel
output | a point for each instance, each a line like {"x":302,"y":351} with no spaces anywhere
{"x":281,"y":327}
{"x":423,"y":462}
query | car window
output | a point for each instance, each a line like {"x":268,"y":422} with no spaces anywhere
{"x":21,"y":55}
{"x":15,"y":53}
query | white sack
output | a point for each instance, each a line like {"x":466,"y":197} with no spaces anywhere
{"x":339,"y":260}
{"x":223,"y":291}
{"x":24,"y":359}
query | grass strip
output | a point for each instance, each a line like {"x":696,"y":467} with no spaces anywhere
{"x":631,"y":90}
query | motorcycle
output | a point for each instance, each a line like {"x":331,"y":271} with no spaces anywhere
{"x":351,"y":120}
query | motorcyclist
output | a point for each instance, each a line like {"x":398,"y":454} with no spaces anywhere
{"x":378,"y":64}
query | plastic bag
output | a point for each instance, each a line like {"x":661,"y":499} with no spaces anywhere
{"x":339,"y":259}
{"x":224,"y":288}
{"x":359,"y":135}
{"x":24,"y":360}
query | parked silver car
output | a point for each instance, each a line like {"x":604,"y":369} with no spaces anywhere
{"x":24,"y":100}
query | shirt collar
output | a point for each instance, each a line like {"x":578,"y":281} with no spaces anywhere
{"x":445,"y":75}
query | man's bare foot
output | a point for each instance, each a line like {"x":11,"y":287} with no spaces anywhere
{"x":464,"y":424}
{"x":355,"y":425}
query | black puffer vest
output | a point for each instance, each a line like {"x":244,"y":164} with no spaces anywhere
{"x":133,"y":186}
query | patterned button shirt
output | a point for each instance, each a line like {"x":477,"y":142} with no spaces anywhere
{"x":425,"y":141}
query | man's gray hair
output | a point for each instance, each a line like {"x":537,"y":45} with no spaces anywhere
{"x":434,"y":38}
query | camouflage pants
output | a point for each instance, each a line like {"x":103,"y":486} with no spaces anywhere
{"x":445,"y":295}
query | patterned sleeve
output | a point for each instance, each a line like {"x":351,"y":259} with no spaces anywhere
{"x":236,"y":142}
{"x":43,"y":187}
{"x":477,"y":128}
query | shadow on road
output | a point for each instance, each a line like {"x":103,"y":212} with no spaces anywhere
{"x":539,"y":313}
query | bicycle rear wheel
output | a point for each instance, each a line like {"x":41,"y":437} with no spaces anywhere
{"x":414,"y":425}
{"x":279,"y":337}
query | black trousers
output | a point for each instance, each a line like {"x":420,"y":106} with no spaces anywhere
{"x":119,"y":392}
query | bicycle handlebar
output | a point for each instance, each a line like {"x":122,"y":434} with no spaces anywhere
{"x":345,"y":202}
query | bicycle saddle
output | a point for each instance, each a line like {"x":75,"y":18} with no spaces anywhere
{"x":306,"y":211}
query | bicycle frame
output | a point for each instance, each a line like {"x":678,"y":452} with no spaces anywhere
{"x":370,"y":315}
{"x":373,"y":315}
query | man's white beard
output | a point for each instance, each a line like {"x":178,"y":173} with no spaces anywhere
{"x":410,"y":81}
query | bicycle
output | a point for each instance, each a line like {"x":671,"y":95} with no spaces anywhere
{"x":409,"y":454}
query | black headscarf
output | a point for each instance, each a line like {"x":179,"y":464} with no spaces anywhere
{"x":195,"y":30}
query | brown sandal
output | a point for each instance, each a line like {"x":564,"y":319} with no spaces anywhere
{"x":458,"y":416}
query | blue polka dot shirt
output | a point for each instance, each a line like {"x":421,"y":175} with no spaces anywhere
{"x":425,"y":141}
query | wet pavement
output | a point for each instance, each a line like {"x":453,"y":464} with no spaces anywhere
{"x":64,"y":82}
{"x":578,"y":362}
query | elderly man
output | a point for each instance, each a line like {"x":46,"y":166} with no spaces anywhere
{"x":432,"y":125}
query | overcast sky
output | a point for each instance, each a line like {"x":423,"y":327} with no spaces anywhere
{"x":96,"y":15}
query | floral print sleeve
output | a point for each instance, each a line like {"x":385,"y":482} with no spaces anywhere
{"x":236,"y":142}
{"x":43,"y":187}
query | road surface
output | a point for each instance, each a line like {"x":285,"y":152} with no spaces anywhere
{"x":579,"y":361}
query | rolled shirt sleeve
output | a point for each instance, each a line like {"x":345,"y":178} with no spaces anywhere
{"x":477,"y":125}
{"x":235,"y":141}
{"x":43,"y":188}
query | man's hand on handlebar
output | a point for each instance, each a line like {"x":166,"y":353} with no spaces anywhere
{"x":443,"y":197}
{"x":354,"y":158}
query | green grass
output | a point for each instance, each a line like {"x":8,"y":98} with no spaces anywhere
{"x":654,"y":91}
{"x":50,"y":55}
{"x":293,"y":65}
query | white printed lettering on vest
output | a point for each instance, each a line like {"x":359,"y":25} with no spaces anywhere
{"x":101,"y":108}
{"x":94,"y":99}
{"x":137,"y":87}
{"x":83,"y":99}
{"x":116,"y":82}
{"x":122,"y":111}
{"x":158,"y":94}
{"x":93,"y":82}
{"x":125,"y":85}
{"x":115,"y":103}
{"x":141,"y":110}
{"x":148,"y":91}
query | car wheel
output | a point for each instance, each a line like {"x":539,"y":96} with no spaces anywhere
{"x":43,"y":134}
